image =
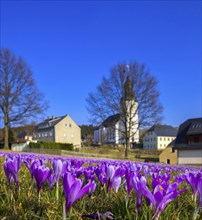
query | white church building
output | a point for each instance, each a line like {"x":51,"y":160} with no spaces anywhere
{"x":112,"y":129}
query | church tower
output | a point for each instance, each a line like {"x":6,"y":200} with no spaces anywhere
{"x":129,"y":110}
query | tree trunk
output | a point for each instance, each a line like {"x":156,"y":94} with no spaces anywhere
{"x":127,"y":147}
{"x":6,"y":128}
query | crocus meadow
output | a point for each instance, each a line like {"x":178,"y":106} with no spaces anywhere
{"x":47,"y":187}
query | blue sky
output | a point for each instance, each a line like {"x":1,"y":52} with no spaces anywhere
{"x":70,"y":45}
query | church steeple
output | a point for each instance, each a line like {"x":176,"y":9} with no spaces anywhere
{"x":129,"y":110}
{"x":128,"y":93}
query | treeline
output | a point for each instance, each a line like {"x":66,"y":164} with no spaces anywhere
{"x":15,"y":131}
{"x":86,"y":130}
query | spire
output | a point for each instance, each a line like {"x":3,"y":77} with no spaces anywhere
{"x":128,"y":92}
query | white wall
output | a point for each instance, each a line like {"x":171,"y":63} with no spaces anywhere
{"x":190,"y":156}
{"x":134,"y":114}
{"x":163,"y":142}
{"x":150,"y":140}
{"x":21,"y":146}
{"x":96,"y":136}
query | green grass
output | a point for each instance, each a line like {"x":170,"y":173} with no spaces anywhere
{"x":24,"y":204}
{"x":104,"y":151}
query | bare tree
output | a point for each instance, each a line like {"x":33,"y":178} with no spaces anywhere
{"x":131,"y":91}
{"x":19,"y":97}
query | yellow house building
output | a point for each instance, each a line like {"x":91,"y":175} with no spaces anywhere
{"x":168,"y":155}
{"x":59,"y":129}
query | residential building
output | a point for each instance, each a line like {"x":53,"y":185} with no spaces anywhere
{"x":188,"y":142}
{"x":24,"y":136}
{"x":59,"y":129}
{"x":168,"y":155}
{"x":159,"y":137}
{"x":112,"y":129}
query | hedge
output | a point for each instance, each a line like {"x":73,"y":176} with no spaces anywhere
{"x":51,"y":145}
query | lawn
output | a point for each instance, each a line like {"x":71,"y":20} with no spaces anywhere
{"x":52,"y":187}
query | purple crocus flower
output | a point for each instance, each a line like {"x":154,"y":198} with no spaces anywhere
{"x":159,"y":178}
{"x":92,"y":188}
{"x":101,"y":175}
{"x":129,"y":183}
{"x":163,"y":194}
{"x":138,"y":182}
{"x":73,"y":189}
{"x":41,"y":174}
{"x":89,"y":173}
{"x":113,"y":178}
{"x":76,"y":163}
{"x":199,"y":190}
{"x":28,"y":163}
{"x":192,"y":179}
{"x":116,"y":184}
{"x":11,"y":168}
{"x":58,"y":170}
{"x":180,"y":177}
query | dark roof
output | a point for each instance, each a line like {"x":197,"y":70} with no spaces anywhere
{"x":189,"y":127}
{"x":50,"y":122}
{"x":111,"y":121}
{"x":22,"y":134}
{"x":163,"y":130}
{"x":195,"y":127}
{"x":188,"y":146}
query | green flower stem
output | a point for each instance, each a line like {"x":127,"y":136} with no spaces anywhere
{"x":39,"y":197}
{"x":57,"y":191}
{"x":196,"y":213}
{"x":64,"y":215}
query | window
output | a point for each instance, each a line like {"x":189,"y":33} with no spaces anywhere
{"x":168,"y":139}
{"x":168,"y":161}
{"x":68,"y":125}
{"x":196,"y":139}
{"x":172,"y":150}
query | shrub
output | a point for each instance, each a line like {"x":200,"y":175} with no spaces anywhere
{"x":51,"y":145}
